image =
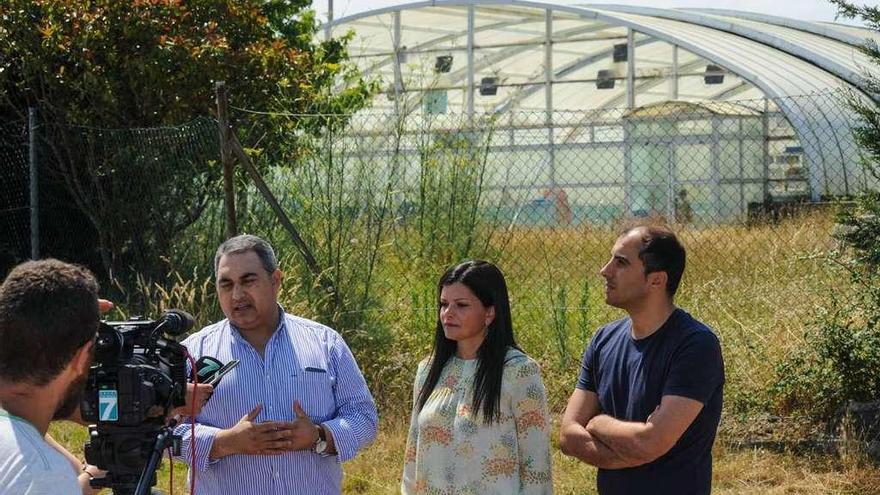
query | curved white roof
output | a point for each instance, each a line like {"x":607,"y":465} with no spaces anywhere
{"x":527,"y":47}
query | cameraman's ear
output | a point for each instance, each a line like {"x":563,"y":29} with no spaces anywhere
{"x":82,"y":358}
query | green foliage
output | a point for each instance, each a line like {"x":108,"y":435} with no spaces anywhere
{"x":147,"y":63}
{"x":838,"y":362}
{"x":860,"y":228}
{"x":560,"y":323}
{"x":151,"y":62}
{"x":562,"y":313}
{"x":140,"y":189}
{"x":342,"y":210}
{"x":448,"y":195}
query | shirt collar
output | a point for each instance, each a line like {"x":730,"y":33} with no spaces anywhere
{"x":282,"y":325}
{"x":13,"y":417}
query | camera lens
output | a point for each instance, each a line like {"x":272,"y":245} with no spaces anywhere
{"x":108,"y":344}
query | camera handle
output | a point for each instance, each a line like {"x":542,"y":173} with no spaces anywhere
{"x":164,"y":439}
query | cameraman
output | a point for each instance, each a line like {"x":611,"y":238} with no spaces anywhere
{"x":49,"y":316}
{"x":48,"y":321}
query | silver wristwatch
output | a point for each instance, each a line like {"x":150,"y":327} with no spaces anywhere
{"x":320,"y":447}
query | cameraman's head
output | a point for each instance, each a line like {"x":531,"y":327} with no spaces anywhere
{"x":48,"y":322}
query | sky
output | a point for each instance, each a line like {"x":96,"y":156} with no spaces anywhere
{"x":808,"y":10}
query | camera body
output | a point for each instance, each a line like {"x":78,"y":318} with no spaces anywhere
{"x":138,"y":376}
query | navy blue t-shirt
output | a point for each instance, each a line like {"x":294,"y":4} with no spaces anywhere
{"x":683,"y":357}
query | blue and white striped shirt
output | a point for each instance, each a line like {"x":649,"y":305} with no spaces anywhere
{"x":303,"y":361}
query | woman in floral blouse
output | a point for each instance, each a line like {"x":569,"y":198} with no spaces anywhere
{"x":479,"y":423}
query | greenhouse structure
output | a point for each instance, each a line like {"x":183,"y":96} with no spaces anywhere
{"x":596,"y":112}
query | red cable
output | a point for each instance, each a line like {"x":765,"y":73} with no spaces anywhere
{"x":192,"y":422}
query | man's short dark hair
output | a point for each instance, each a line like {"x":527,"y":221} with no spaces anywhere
{"x":661,"y":251}
{"x":48,"y":310}
{"x":244,"y":243}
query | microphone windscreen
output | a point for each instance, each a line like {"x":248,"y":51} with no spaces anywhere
{"x":207,"y":367}
{"x":179,"y":321}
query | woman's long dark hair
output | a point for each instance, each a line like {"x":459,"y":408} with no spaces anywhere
{"x":486,"y":281}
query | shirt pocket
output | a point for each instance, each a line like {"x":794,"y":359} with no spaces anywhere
{"x":316,"y":392}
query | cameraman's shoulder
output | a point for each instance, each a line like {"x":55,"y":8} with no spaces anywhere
{"x":31,"y":465}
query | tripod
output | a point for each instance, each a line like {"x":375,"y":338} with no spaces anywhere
{"x":125,"y":451}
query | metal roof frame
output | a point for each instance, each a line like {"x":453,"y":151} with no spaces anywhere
{"x":778,"y":68}
{"x":702,"y":18}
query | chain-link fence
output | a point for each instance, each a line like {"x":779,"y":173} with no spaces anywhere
{"x":384,"y":204}
{"x":14,"y":199}
{"x":114,"y":200}
{"x":462,"y":186}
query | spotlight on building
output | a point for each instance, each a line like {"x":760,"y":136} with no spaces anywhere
{"x":443,"y":63}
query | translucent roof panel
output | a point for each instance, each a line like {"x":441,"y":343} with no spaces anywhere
{"x":842,"y":32}
{"x":450,"y":56}
{"x":836,"y":55}
{"x":855,"y":31}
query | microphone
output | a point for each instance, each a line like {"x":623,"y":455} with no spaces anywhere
{"x":206,"y":366}
{"x":175,"y":322}
{"x":210,"y":370}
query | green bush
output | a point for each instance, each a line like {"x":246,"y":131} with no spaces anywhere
{"x":838,"y":363}
{"x":840,"y":360}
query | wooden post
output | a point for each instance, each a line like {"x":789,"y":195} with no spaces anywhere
{"x":304,"y":250}
{"x":226,"y":158}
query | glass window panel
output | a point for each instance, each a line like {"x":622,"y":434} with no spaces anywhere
{"x":693,"y":162}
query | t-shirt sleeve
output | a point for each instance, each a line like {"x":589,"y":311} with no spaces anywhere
{"x":56,"y":482}
{"x":586,"y":378}
{"x":697,"y":369}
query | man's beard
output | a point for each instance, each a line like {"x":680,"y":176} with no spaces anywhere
{"x":72,"y":398}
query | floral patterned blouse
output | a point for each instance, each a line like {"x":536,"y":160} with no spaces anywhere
{"x":451,"y":451}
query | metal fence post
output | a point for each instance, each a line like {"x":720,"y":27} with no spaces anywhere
{"x":34,"y":183}
{"x":765,"y":129}
{"x":226,"y":158}
{"x":548,"y":99}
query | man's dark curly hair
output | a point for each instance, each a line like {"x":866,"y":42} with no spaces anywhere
{"x":48,"y":310}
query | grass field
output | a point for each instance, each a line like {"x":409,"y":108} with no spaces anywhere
{"x":758,"y":287}
{"x":736,"y":471}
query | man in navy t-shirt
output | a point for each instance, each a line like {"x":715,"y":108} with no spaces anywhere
{"x":648,"y":398}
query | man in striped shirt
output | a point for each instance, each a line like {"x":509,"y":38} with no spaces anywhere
{"x":295,"y":407}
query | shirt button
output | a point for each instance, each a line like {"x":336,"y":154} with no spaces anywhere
{"x":277,"y":474}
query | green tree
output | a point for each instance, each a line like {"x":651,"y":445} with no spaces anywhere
{"x":862,"y":223}
{"x":146,"y":63}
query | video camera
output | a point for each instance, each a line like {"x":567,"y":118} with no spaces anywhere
{"x":137,"y":378}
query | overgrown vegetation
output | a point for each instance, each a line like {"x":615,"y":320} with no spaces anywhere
{"x":840,"y":362}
